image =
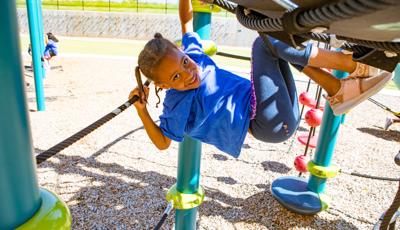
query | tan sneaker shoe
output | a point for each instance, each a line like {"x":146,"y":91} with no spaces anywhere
{"x":363,"y":70}
{"x":355,"y":90}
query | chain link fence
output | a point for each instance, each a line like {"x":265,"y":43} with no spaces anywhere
{"x":138,"y":6}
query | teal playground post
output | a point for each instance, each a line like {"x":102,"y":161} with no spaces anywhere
{"x":188,"y":183}
{"x":187,"y":195}
{"x":41,"y":31}
{"x":23,"y":204}
{"x":35,"y":38}
{"x":396,"y":77}
{"x":307,"y":197}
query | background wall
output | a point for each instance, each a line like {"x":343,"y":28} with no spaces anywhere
{"x":225,"y":30}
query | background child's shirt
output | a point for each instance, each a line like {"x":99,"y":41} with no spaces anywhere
{"x":51,"y":49}
{"x":217,"y":113}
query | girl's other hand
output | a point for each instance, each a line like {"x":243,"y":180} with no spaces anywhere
{"x":140,"y":105}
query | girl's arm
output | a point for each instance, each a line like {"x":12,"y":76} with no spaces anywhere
{"x":186,"y":15}
{"x":153,"y":130}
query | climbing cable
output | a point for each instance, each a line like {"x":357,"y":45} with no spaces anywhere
{"x":164,"y":216}
{"x":77,"y":136}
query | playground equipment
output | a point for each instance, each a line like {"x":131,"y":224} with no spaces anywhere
{"x":313,"y":117}
{"x":364,"y":27}
{"x":24,"y":205}
{"x":296,"y":21}
{"x":186,"y":196}
{"x":396,"y":77}
{"x":389,"y":218}
{"x":34,"y":9}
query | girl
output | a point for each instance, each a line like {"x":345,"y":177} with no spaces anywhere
{"x":50,"y":50}
{"x":218,"y":107}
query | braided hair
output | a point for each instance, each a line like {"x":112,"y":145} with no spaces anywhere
{"x":151,"y":55}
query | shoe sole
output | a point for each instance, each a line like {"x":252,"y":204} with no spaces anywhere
{"x":345,"y":107}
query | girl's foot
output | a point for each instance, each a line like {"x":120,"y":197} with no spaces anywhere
{"x":388,"y":123}
{"x":355,"y":90}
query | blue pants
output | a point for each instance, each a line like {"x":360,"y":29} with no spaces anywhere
{"x":277,"y":115}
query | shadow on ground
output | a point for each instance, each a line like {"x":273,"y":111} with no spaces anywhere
{"x":390,"y":135}
{"x":118,"y":195}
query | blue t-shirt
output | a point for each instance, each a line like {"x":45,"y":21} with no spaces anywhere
{"x":51,"y":46}
{"x":217,"y":113}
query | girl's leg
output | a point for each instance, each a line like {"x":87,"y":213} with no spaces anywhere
{"x":328,"y":82}
{"x":322,"y":58}
{"x":277,"y":115}
{"x":343,"y":94}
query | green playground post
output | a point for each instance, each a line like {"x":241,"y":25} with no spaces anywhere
{"x":396,"y":78}
{"x":188,"y":180}
{"x":23,"y":205}
{"x":307,"y":196}
{"x":18,"y":184}
{"x":326,"y":141}
{"x":32,"y":9}
{"x":202,"y":24}
{"x":40,"y":31}
{"x":190,"y":149}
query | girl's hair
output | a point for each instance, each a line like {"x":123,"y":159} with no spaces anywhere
{"x":51,"y":36}
{"x":151,"y":55}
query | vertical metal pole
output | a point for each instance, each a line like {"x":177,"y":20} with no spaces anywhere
{"x":326,"y":142}
{"x":190,"y":150}
{"x":31,"y":6}
{"x":19,"y":190}
{"x":40,"y":32}
{"x":83,"y":5}
{"x":396,"y":77}
{"x":58,"y":5}
{"x":188,"y":180}
{"x":202,"y":24}
{"x":325,"y":147}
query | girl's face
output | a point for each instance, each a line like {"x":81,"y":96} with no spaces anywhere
{"x":177,"y":71}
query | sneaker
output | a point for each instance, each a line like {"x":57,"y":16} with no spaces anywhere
{"x":355,"y":90}
{"x":389,"y":122}
{"x":363,"y":70}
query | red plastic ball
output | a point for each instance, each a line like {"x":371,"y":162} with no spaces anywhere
{"x":313,"y":117}
{"x":305,"y":99}
{"x":300,"y":163}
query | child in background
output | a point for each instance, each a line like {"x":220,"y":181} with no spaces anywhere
{"x":218,"y":107}
{"x":50,"y":50}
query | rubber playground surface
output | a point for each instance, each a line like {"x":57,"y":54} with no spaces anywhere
{"x":116,"y":179}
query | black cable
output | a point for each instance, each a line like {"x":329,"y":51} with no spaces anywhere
{"x":164,"y":216}
{"x":260,"y":24}
{"x":321,"y":16}
{"x":233,"y":56}
{"x":77,"y":136}
{"x":391,"y":211}
{"x":342,"y":10}
{"x":228,"y":6}
{"x":370,"y":177}
{"x":397,"y":114}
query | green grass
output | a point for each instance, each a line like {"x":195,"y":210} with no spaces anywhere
{"x":132,"y":48}
{"x":125,"y":6}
